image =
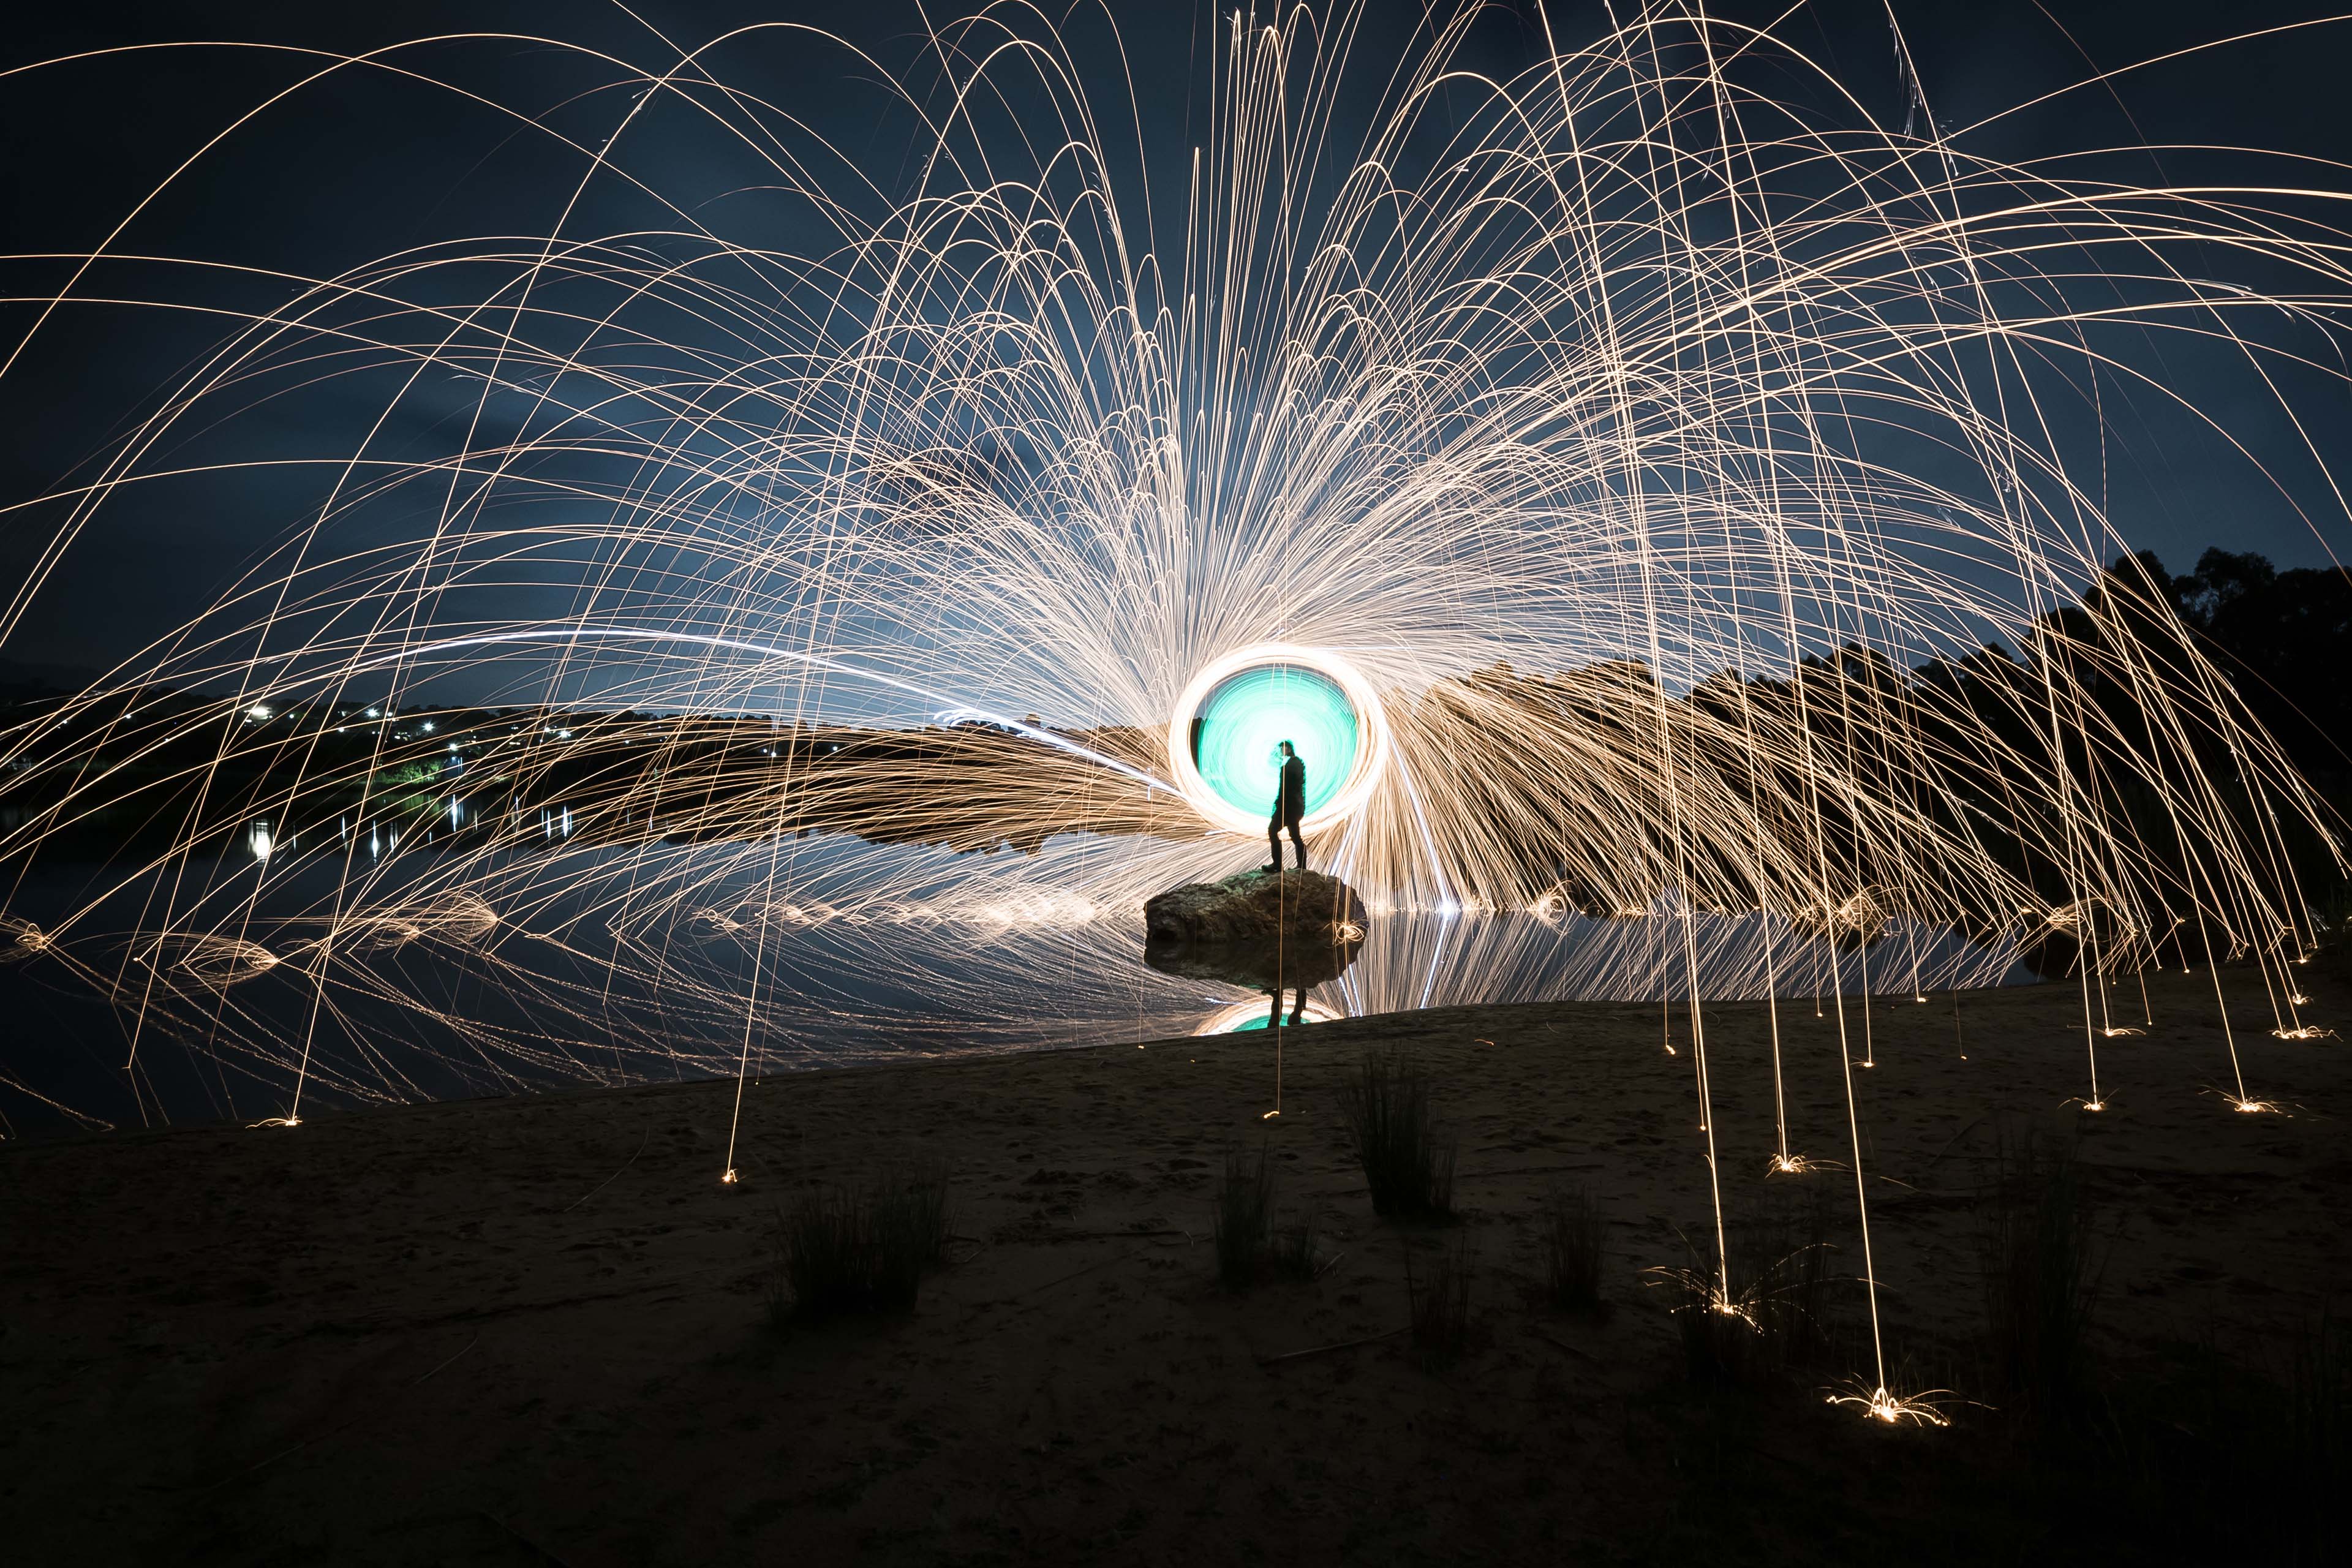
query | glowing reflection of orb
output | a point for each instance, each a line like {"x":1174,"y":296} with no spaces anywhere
{"x":1223,"y":744}
{"x":1244,"y":1016}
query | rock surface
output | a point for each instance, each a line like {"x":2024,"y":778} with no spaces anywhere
{"x":1255,"y":910}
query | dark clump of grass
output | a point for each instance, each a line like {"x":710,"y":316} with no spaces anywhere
{"x":1407,"y":1163}
{"x":1244,"y":1219}
{"x":1771,"y":1323}
{"x":858,"y":1249}
{"x":1250,"y":1243}
{"x":1291,"y":1255}
{"x":2205,"y":1456}
{"x":1784,"y":1254}
{"x":2319,"y":1409}
{"x":1439,"y":1302}
{"x":1571,"y":1238}
{"x":2318,"y":1444}
{"x":2040,"y":1284}
{"x":2245,"y":1459}
{"x":910,"y":1233}
{"x":819,"y":1247}
{"x":1720,"y":1347}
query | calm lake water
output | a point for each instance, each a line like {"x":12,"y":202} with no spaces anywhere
{"x":375,"y":973}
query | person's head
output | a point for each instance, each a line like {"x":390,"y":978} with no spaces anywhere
{"x":1286,"y":750}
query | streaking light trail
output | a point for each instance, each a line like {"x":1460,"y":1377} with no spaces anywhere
{"x":1230,"y":721}
{"x":1646,"y":486}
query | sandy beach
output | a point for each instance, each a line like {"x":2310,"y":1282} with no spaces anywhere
{"x":536,"y":1330}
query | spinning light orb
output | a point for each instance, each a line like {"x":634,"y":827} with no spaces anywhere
{"x":1224,"y":744}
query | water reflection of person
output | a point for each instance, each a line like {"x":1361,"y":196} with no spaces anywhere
{"x":1298,"y":1010}
{"x":1289,"y":809}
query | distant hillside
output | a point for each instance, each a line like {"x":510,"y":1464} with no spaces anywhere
{"x":22,"y":678}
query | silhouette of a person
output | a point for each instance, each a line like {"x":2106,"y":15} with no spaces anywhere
{"x":1289,"y":807}
{"x":1297,"y":1013}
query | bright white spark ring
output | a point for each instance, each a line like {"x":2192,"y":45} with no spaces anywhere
{"x":1371,"y":750}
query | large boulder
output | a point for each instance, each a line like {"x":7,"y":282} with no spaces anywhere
{"x":1257,"y":911}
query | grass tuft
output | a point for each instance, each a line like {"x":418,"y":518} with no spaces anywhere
{"x":2319,"y":1409}
{"x":1250,"y":1243}
{"x":1773,"y":1325}
{"x":1244,"y":1219}
{"x":1292,"y":1253}
{"x":1408,"y":1165}
{"x":1572,"y":1250}
{"x":1721,"y":1348}
{"x":2039,"y":1286}
{"x":852,"y":1250}
{"x":1439,"y":1300}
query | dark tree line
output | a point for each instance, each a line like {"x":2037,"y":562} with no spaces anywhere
{"x":2125,"y":704}
{"x":2284,"y":638}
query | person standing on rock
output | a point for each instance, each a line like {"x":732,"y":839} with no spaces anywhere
{"x":1289,"y":807}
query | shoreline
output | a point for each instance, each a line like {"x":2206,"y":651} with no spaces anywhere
{"x":475,"y":1330}
{"x":1374,"y":1027}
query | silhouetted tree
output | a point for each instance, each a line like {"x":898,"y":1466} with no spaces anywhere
{"x":2285,"y":640}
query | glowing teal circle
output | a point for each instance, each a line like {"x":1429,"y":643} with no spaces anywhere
{"x":1239,"y":727}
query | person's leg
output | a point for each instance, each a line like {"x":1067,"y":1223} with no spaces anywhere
{"x":1273,"y":843}
{"x":1297,"y":840}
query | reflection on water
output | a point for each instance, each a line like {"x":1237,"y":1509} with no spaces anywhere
{"x":379,"y":837}
{"x":1244,"y":1016}
{"x":1299,"y":965}
{"x":365,"y":973}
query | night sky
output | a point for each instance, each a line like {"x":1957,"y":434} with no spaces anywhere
{"x":332,"y":179}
